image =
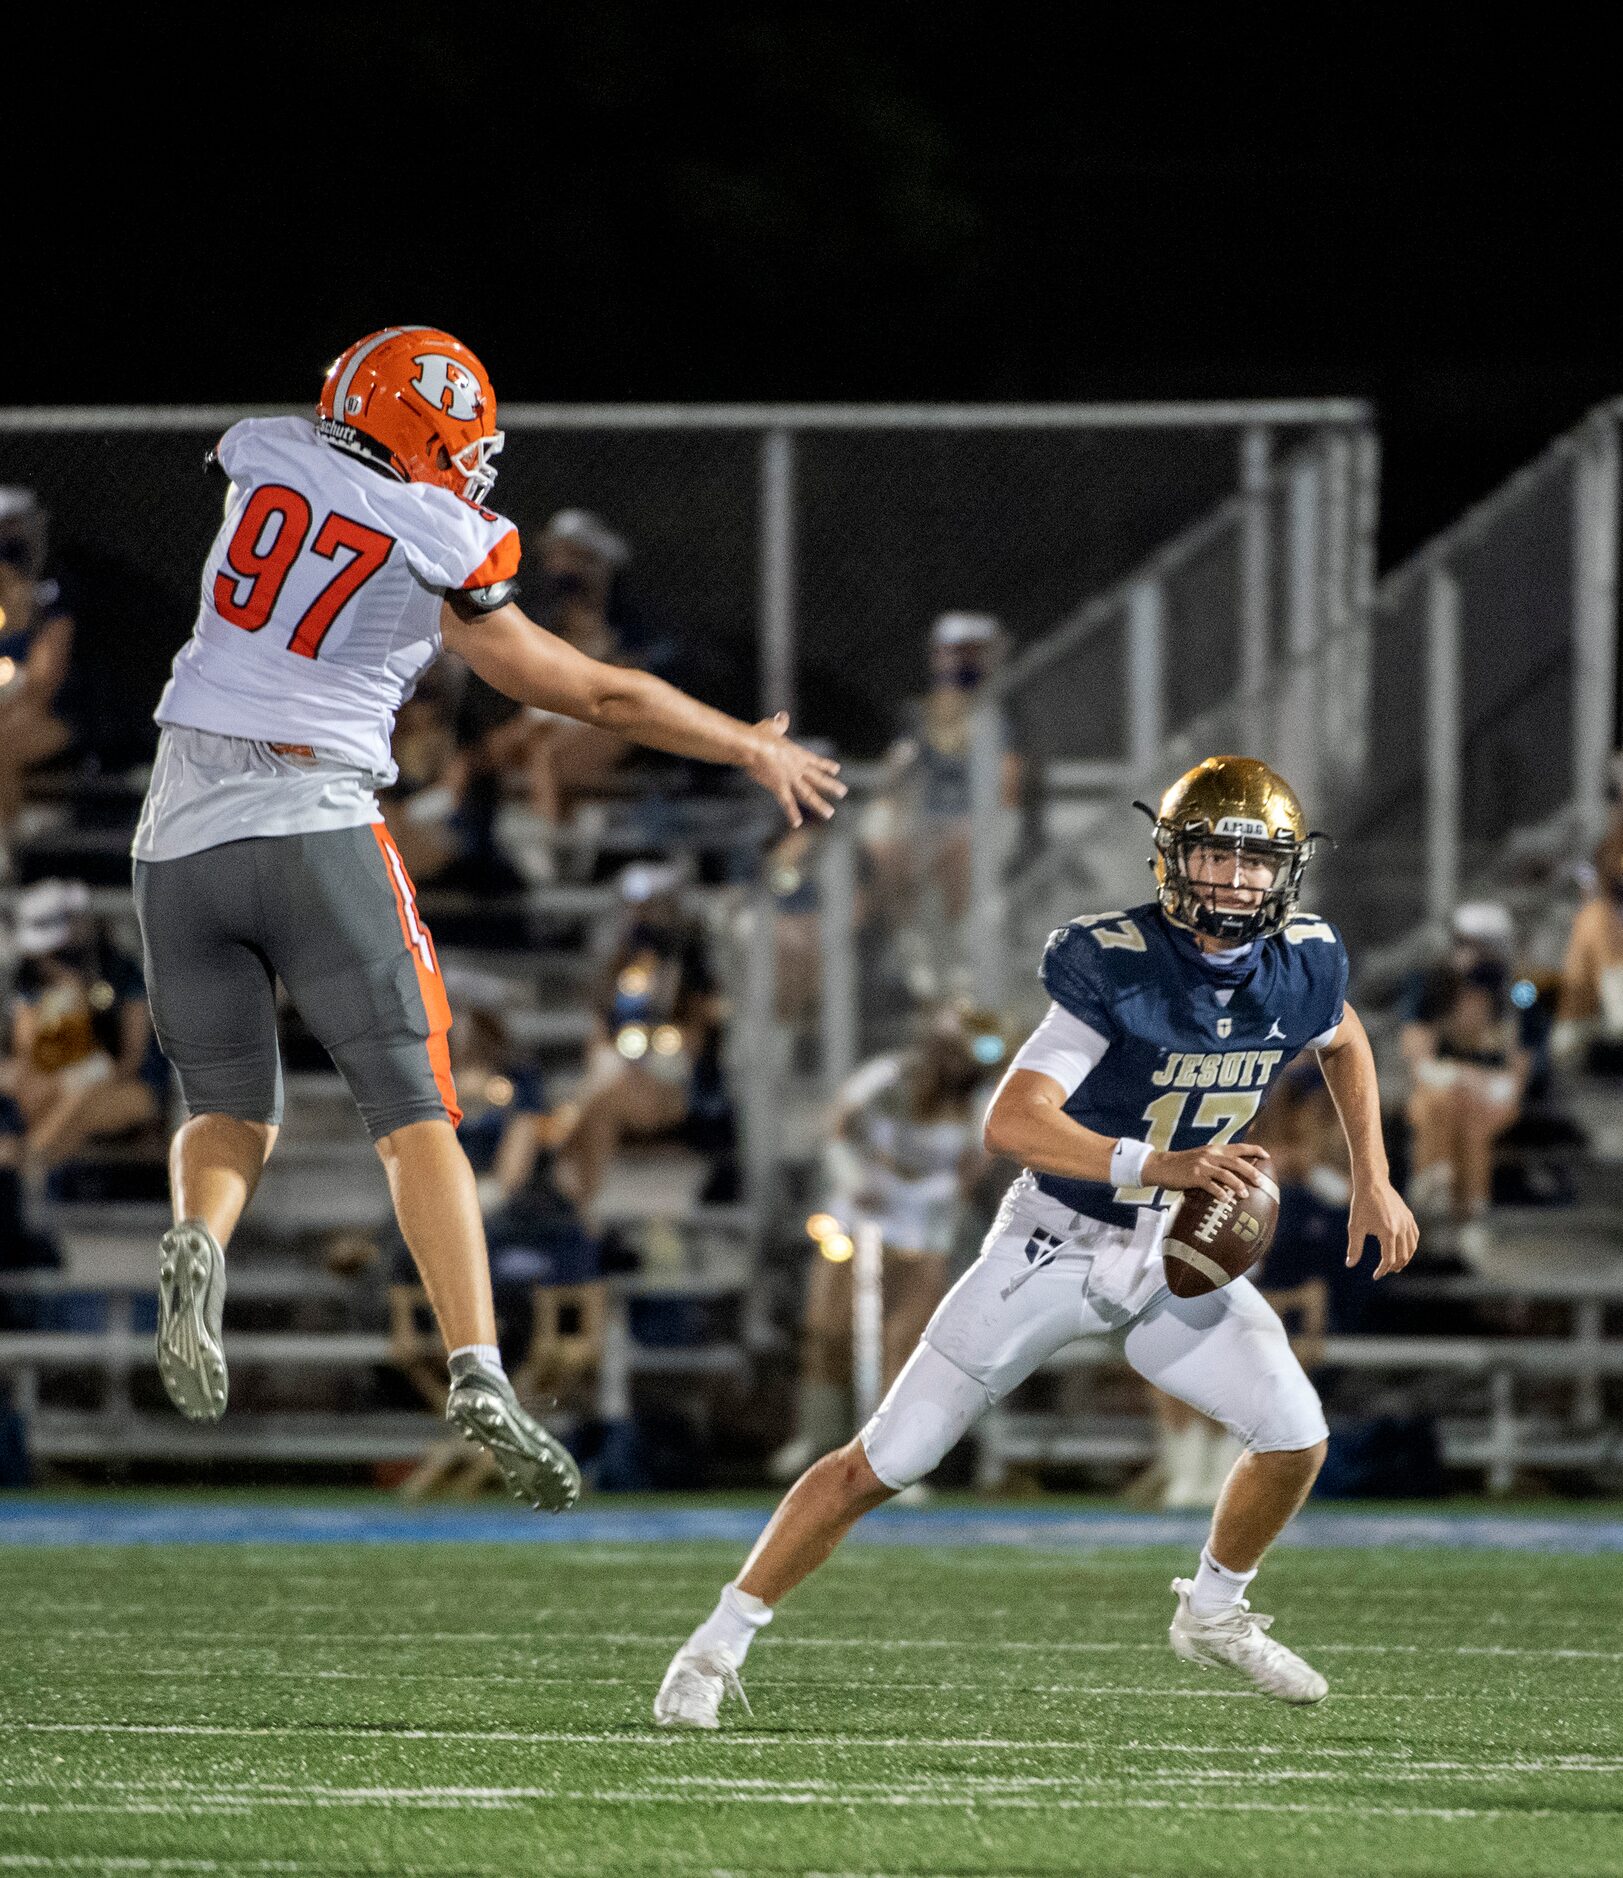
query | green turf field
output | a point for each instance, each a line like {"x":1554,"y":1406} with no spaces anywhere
{"x":485,"y":1709}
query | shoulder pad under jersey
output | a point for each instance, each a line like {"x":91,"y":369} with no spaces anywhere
{"x":1086,"y":963}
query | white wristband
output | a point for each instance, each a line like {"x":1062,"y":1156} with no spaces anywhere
{"x":1127,"y":1160}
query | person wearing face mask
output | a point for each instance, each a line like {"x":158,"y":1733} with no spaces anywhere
{"x":84,"y":1064}
{"x":581,"y":597}
{"x":923,"y":855}
{"x":41,"y":709}
{"x":1589,"y":1015}
{"x":902,"y":1154}
{"x":1463,"y":1042}
{"x":654,"y":1066}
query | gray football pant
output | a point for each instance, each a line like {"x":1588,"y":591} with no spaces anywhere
{"x":334,"y":916}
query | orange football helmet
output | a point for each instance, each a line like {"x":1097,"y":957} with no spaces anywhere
{"x":417,"y":403}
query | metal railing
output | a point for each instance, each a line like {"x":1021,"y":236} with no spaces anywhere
{"x":1239,"y":620}
{"x":1465,"y":701}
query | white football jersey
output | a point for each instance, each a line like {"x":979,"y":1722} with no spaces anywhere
{"x":322,"y":594}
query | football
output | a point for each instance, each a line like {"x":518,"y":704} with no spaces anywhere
{"x":1216,"y":1238}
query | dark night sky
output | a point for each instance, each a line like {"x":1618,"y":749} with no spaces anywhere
{"x":616,"y":201}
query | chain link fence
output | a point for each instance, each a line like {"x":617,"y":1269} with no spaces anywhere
{"x":798,"y":556}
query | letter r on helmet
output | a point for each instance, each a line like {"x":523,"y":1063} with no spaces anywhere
{"x":447,"y":385}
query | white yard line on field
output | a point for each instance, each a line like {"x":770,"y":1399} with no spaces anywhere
{"x":91,"y":1861}
{"x":177,"y":1794}
{"x":281,"y":1640}
{"x":1374,"y":1764}
{"x":511,"y":1799}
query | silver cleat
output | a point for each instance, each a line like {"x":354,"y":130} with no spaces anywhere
{"x":191,"y":1302}
{"x":536,"y":1467}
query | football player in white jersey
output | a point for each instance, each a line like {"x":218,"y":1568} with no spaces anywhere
{"x":354,"y":548}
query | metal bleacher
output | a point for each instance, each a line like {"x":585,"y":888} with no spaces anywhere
{"x":95,"y":1348}
{"x":1456,"y":724}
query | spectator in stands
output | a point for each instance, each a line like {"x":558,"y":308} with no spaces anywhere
{"x":654,"y":1064}
{"x":22,"y":1249}
{"x":442,"y":807}
{"x":546,"y":1271}
{"x":1589,"y":1015}
{"x":386,"y":1284}
{"x":919,"y":839}
{"x":793,"y":878}
{"x":38,"y":694}
{"x":1305,"y":1275}
{"x":797,"y":939}
{"x":506,"y":1126}
{"x":546,"y":1282}
{"x":579,"y":595}
{"x":83,"y":1064}
{"x":904,"y":1150}
{"x":1464,"y":1045}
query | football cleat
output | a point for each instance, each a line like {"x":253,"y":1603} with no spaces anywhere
{"x":1237,"y":1639}
{"x":695,"y":1686}
{"x":537,"y":1467}
{"x":191,"y":1303}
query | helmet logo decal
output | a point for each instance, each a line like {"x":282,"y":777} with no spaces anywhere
{"x":446,"y":385}
{"x":1242,"y":825}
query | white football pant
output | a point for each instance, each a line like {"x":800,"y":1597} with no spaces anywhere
{"x":1047,"y":1276}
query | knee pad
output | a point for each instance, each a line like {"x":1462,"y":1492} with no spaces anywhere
{"x":931,"y":1406}
{"x":242,"y":1080}
{"x":375,"y":1023}
{"x":1286,"y":1413}
{"x":393,"y":1082}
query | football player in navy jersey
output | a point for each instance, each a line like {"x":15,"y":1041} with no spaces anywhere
{"x":1168,"y":1024}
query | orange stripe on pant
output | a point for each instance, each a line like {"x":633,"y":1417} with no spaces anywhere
{"x":420,"y":944}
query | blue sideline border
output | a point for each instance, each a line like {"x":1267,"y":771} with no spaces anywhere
{"x":78,"y":1523}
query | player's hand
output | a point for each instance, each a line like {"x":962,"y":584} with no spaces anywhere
{"x":1208,"y":1170}
{"x":1378,"y":1212}
{"x":793,"y":775}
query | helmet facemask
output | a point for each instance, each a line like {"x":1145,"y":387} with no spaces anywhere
{"x":474,"y":463}
{"x":1234,"y":883}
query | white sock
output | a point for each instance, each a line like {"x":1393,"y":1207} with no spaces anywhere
{"x":733,"y":1623}
{"x":485,"y":1353}
{"x":1216,"y":1587}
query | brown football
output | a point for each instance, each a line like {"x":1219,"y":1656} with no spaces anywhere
{"x":1215,"y":1238}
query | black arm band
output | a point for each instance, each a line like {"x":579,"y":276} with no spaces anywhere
{"x":470,"y":602}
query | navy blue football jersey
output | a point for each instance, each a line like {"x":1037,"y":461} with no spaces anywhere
{"x":1183,"y":1068}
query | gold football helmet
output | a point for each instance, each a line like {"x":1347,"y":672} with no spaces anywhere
{"x":1241,"y":826}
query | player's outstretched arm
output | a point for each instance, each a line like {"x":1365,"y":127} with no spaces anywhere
{"x":524,"y":662}
{"x":1377,"y":1210}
